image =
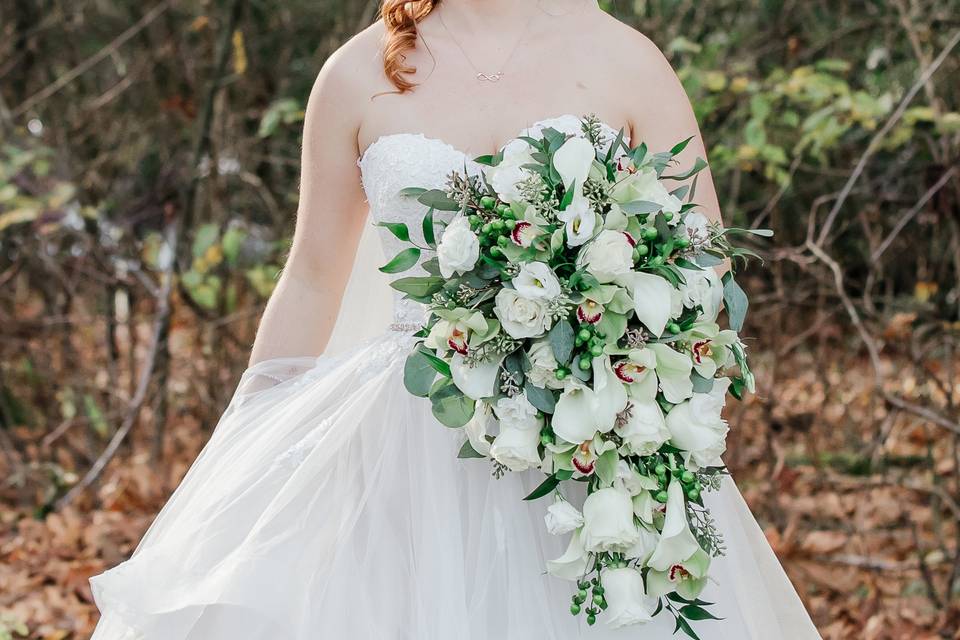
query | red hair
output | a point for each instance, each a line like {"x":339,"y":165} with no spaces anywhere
{"x":400,"y":17}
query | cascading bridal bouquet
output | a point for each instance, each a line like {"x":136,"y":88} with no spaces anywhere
{"x":573,"y":329}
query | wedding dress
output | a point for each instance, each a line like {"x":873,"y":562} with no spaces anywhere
{"x":329,"y":503}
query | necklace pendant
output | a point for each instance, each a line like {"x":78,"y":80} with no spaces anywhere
{"x":489,"y":77}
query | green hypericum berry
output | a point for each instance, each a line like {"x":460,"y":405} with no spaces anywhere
{"x":503,"y":241}
{"x":668,"y":216}
{"x":584,"y":334}
{"x":643,"y":249}
{"x":673,"y":328}
{"x":687,"y":477}
{"x":575,"y":609}
{"x":596,"y":351}
{"x":650,"y":233}
{"x":591,"y":619}
{"x":598,"y":590}
{"x":661,"y":496}
{"x":451,"y":305}
{"x":585,"y":364}
{"x":598,"y":600}
{"x":502,"y":208}
{"x":475,"y":220}
{"x":497,"y":225}
{"x":496,"y":252}
{"x":693,"y":493}
{"x":683,"y":243}
{"x":486,"y":228}
{"x":660,"y":470}
{"x":510,"y":224}
{"x":487,"y":202}
{"x":582,"y":593}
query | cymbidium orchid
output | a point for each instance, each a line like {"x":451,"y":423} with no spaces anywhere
{"x":710,"y":348}
{"x":580,"y":221}
{"x":677,"y":563}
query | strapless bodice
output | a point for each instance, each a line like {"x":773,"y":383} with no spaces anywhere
{"x":400,"y":160}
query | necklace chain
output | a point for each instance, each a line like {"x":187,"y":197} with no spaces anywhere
{"x":484,"y":76}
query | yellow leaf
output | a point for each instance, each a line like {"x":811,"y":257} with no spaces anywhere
{"x":239,"y":53}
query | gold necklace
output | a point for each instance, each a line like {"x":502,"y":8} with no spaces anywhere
{"x":484,"y":76}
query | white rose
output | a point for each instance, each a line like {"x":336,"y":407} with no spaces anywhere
{"x":516,"y":411}
{"x":521,"y":317}
{"x":608,"y":521}
{"x":537,"y":280}
{"x":627,"y":601}
{"x":516,"y":447}
{"x":459,"y":248}
{"x":608,"y":257}
{"x":645,"y":186}
{"x":505,"y":177}
{"x":562,"y":517}
{"x":573,"y":161}
{"x":580,"y":221}
{"x":645,"y":429}
{"x":543,"y":366}
{"x":697,"y":427}
{"x":702,"y":288}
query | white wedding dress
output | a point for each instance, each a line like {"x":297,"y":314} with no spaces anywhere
{"x":330,"y":504}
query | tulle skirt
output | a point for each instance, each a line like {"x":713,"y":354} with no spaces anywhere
{"x":328,"y":503}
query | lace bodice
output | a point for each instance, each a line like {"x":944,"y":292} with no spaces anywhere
{"x":396,"y":161}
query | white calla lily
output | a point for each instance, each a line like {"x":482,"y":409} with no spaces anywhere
{"x":581,"y":412}
{"x":477,"y":381}
{"x":573,"y":161}
{"x":627,"y":601}
{"x":573,"y":563}
{"x":652,"y":299}
{"x":676,"y":540}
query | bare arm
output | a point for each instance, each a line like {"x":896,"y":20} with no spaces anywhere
{"x":301,"y":312}
{"x":662,"y":117}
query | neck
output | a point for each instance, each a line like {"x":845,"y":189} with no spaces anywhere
{"x":494,"y":14}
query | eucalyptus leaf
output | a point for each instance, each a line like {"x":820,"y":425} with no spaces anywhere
{"x":735,"y":301}
{"x":419,"y":286}
{"x":451,"y":407}
{"x":438,"y":200}
{"x":467,"y":451}
{"x":561,"y":339}
{"x":542,"y":399}
{"x":418,"y":373}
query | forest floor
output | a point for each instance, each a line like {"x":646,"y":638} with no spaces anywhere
{"x":844,"y":495}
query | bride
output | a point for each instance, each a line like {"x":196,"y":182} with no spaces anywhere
{"x":328,"y":503}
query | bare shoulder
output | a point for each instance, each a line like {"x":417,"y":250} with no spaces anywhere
{"x":355,"y":69}
{"x":627,"y":49}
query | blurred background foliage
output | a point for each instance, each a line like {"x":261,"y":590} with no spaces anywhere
{"x":149,"y":159}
